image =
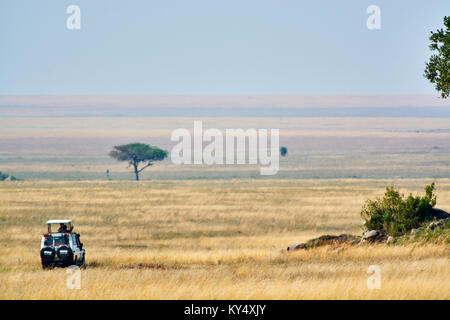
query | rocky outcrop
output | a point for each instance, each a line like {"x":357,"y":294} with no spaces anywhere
{"x":326,"y":240}
{"x":371,"y":236}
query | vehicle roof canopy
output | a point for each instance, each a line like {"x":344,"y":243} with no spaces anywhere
{"x":55,"y":221}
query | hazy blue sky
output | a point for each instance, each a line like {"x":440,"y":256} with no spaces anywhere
{"x":215,"y":47}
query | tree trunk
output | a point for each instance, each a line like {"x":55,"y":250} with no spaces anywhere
{"x":136,"y":172}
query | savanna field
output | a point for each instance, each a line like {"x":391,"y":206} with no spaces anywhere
{"x":214,"y":239}
{"x":300,"y":152}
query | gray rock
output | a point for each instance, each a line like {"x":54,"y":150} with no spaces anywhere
{"x":371,"y":234}
{"x":437,"y":224}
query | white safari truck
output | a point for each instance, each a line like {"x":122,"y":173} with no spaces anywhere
{"x":60,"y":246}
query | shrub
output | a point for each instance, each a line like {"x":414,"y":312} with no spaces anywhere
{"x":4,"y":176}
{"x":396,"y":214}
{"x":283,"y":151}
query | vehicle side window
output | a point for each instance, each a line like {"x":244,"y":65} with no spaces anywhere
{"x":75,"y":240}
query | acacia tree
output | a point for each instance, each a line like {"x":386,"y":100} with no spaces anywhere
{"x":137,"y":154}
{"x":438,"y":68}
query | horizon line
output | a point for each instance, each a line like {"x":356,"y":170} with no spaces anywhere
{"x":231,"y":100}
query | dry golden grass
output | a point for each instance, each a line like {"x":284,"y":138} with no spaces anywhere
{"x":212,"y":240}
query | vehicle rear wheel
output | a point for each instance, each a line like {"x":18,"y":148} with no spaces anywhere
{"x":47,"y":255}
{"x":65,"y":254}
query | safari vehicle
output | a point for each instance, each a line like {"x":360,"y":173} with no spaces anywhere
{"x":61,"y":247}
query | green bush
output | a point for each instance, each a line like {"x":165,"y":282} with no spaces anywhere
{"x":283,"y":151}
{"x":4,"y":176}
{"x":396,"y":214}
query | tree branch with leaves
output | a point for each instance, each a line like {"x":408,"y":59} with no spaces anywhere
{"x":438,"y":68}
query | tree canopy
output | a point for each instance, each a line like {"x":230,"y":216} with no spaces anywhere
{"x":138,"y":153}
{"x":438,"y":68}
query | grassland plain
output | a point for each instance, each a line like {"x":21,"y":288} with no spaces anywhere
{"x":213,"y":239}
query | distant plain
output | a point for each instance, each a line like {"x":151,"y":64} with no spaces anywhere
{"x":72,"y":143}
